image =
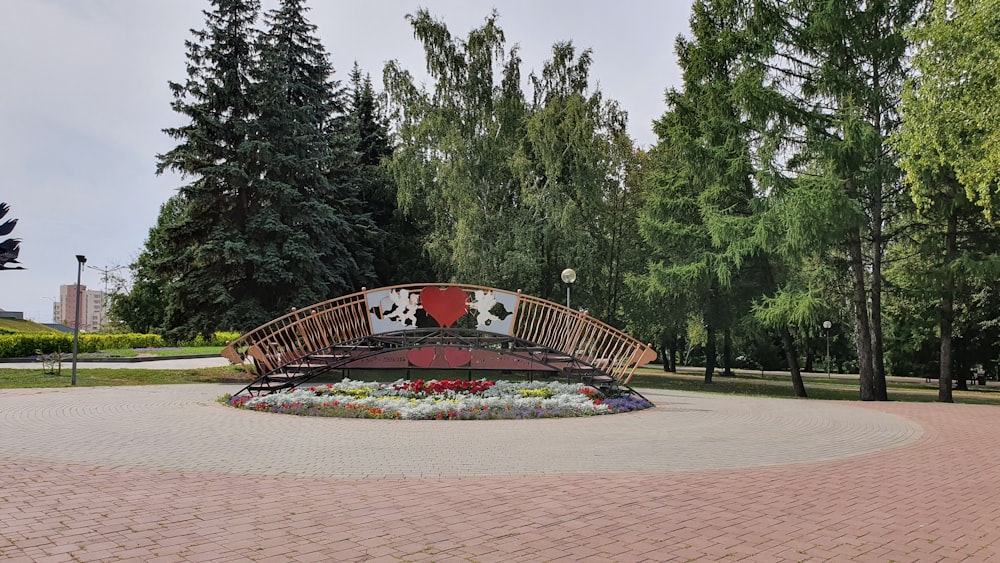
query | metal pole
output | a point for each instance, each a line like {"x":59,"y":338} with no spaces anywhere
{"x":827,"y":325}
{"x":568,"y":276}
{"x":828,"y":353}
{"x":81,"y":260}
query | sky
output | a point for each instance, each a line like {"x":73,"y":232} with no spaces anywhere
{"x":84,"y":100}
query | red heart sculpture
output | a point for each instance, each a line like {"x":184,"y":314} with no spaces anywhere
{"x":444,"y":305}
{"x":421,"y":357}
{"x":457,"y":357}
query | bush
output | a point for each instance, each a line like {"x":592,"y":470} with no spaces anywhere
{"x":30,"y":343}
{"x":217,"y":339}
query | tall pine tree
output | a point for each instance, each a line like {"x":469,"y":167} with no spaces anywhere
{"x":944,"y":143}
{"x":271,"y":218}
{"x":307,"y":227}
{"x":852,"y":84}
{"x":716,"y":261}
{"x":394,"y":239}
{"x":205,"y":260}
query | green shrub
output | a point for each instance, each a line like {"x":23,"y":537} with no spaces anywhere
{"x":218,"y":339}
{"x":28,"y":344}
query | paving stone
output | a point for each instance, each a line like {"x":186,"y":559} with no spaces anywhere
{"x":165,"y":472}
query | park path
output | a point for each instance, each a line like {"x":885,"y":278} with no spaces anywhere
{"x":164,"y":473}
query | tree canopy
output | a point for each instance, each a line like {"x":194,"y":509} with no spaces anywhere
{"x":270,"y":218}
{"x":819,"y":161}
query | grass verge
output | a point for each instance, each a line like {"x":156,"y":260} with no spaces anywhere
{"x":98,"y":377}
{"x":158,"y":352}
{"x":648,"y":378}
{"x":816,"y":388}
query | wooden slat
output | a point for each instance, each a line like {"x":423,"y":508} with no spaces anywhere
{"x":304,"y":332}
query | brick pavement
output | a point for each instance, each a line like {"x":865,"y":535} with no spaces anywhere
{"x":166,"y":474}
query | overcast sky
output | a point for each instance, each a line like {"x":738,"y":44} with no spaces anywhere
{"x":84,"y":99}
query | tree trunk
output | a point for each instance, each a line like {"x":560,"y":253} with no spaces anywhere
{"x":877,"y":249}
{"x":669,"y":353}
{"x":861,"y":325}
{"x":710,"y":354}
{"x":727,"y":353}
{"x":792,"y":357}
{"x":945,"y":374}
{"x":878,"y":356}
{"x":959,"y":369}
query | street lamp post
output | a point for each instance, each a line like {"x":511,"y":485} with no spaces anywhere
{"x":81,"y":260}
{"x":568,"y":277}
{"x":826,"y":326}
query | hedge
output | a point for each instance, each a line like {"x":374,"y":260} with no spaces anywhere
{"x":28,"y":344}
{"x":217,"y":339}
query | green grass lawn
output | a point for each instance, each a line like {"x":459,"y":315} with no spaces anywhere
{"x":646,"y":378}
{"x":158,"y":352}
{"x":816,"y":387}
{"x":97,"y":377}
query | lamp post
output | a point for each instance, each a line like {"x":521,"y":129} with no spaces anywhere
{"x":826,"y":326}
{"x":568,"y":277}
{"x":81,"y":260}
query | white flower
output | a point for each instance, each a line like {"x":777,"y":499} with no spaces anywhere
{"x":391,"y":398}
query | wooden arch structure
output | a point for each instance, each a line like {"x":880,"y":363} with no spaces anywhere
{"x":439,"y":327}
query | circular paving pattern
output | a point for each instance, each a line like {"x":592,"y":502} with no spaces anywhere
{"x":182,"y":427}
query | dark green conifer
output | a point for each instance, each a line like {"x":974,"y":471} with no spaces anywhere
{"x":271,"y":217}
{"x":310,"y":231}
{"x":394,"y":239}
{"x":205,"y":258}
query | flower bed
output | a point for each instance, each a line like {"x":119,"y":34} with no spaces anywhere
{"x":448,"y":399}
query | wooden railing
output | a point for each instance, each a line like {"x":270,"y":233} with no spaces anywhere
{"x":345,"y":320}
{"x":580,"y":336}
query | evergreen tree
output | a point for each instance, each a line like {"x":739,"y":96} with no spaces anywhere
{"x":676,"y":280}
{"x":835,"y":72}
{"x":722,"y":264}
{"x":206,"y":258}
{"x":944,"y":144}
{"x":947,"y":265}
{"x":271,"y":218}
{"x":144,"y":307}
{"x":860,"y":66}
{"x":307,"y":228}
{"x":395,"y":241}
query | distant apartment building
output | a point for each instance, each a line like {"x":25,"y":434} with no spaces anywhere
{"x":92,"y":313}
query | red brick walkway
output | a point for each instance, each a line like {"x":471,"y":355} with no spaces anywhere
{"x":933,"y":499}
